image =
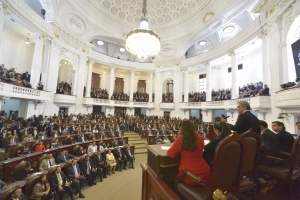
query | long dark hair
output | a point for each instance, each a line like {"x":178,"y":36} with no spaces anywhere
{"x":189,"y":140}
{"x":223,"y":128}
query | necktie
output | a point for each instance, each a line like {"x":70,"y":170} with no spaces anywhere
{"x":50,"y":164}
{"x":11,"y":141}
{"x":75,"y":170}
{"x":65,"y":158}
{"x":88,"y":166}
{"x":59,"y":179}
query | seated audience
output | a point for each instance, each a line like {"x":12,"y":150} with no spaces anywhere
{"x":120,"y":96}
{"x":63,"y":88}
{"x":191,"y":146}
{"x":40,"y":147}
{"x":197,"y":96}
{"x":269,"y":140}
{"x":92,"y":148}
{"x":166,"y":140}
{"x":251,"y":89}
{"x":222,"y":94}
{"x":138,"y":96}
{"x":81,"y":138}
{"x":222,"y":130}
{"x":79,"y":152}
{"x":285,"y":139}
{"x":99,"y":93}
{"x":120,"y":158}
{"x":25,"y":150}
{"x":167,"y":97}
{"x":47,"y":163}
{"x":42,"y":136}
{"x":60,"y":183}
{"x":89,"y":170}
{"x":55,"y":144}
{"x":158,"y":140}
{"x":265,"y":91}
{"x":17,"y":194}
{"x":100,"y":164}
{"x":129,"y":155}
{"x":41,"y":190}
{"x":28,"y":138}
{"x":111,"y":161}
{"x":73,"y":173}
{"x":27,"y":171}
{"x":64,"y":157}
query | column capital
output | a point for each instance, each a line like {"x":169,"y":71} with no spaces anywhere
{"x":233,"y":53}
{"x":37,"y":35}
{"x":207,"y":64}
{"x":112,"y":67}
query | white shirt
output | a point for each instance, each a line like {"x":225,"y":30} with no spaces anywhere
{"x":92,"y":149}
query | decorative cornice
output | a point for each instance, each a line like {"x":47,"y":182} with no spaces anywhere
{"x":169,"y":62}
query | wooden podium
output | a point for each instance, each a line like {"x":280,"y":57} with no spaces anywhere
{"x":159,"y":174}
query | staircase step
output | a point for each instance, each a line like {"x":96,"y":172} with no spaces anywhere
{"x":140,"y":151}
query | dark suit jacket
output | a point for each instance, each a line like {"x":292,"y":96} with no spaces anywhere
{"x":127,"y":154}
{"x":244,"y":122}
{"x":60,"y":158}
{"x":209,"y":149}
{"x":54,"y":179}
{"x":80,"y":139}
{"x":84,"y":165}
{"x":22,"y":197}
{"x":285,"y":141}
{"x":97,"y":161}
{"x":78,"y":152}
{"x":118,"y":155}
{"x":22,"y":174}
{"x":269,"y":144}
{"x":71,"y":173}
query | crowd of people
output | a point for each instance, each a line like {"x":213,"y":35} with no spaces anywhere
{"x":197,"y":96}
{"x":99,"y":93}
{"x":120,"y":96}
{"x":64,"y":88}
{"x":138,"y":96}
{"x":167,"y":97}
{"x":15,"y":78}
{"x":251,"y":89}
{"x":223,"y":94}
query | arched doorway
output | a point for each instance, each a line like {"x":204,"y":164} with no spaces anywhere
{"x":65,"y":78}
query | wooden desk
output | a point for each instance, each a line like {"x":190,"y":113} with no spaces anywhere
{"x":33,"y":158}
{"x":159,"y":174}
{"x":8,"y":187}
{"x":8,"y":168}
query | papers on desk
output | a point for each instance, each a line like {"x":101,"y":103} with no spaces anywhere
{"x":165,"y":148}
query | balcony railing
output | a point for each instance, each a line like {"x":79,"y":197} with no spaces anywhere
{"x":167,"y":106}
{"x":289,"y":98}
{"x":106,"y":102}
{"x":64,"y":99}
{"x":258,"y":102}
{"x":14,"y":91}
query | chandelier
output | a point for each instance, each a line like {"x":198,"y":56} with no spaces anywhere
{"x":142,"y":41}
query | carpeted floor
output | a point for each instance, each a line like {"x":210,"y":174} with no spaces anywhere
{"x":125,"y":185}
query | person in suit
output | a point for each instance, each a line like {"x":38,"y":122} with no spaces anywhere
{"x":92,"y":148}
{"x":245,"y":120}
{"x":41,"y":190}
{"x":129,"y":155}
{"x":59,"y":130}
{"x":17,"y":194}
{"x":73,"y":129}
{"x":40,"y":147}
{"x":27,"y":171}
{"x":73,"y":173}
{"x":265,"y":91}
{"x":55,"y":144}
{"x":82,"y":138}
{"x":12,"y":140}
{"x":285,"y":139}
{"x":115,"y":143}
{"x":25,"y":150}
{"x":269,"y":140}
{"x":42,"y":136}
{"x":222,"y":130}
{"x":120,"y":158}
{"x":59,"y":181}
{"x":70,"y":141}
{"x":89,"y":170}
{"x":34,"y":132}
{"x":79,"y":152}
{"x":64,"y":157}
{"x":28,"y":138}
{"x":100,"y":164}
{"x":47,"y":163}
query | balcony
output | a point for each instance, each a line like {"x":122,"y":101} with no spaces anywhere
{"x":63,"y":100}
{"x":13,"y":91}
{"x":167,"y":106}
{"x":256,"y":103}
{"x":288,"y":99}
{"x":106,"y":102}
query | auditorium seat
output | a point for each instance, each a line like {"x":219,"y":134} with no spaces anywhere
{"x":30,"y":183}
{"x":6,"y":195}
{"x":226,"y":172}
{"x":40,"y":160}
{"x":17,"y":148}
{"x":18,"y":169}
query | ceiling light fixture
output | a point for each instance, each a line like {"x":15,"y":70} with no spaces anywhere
{"x":142,"y":41}
{"x":202,"y":43}
{"x":122,"y":49}
{"x":27,"y":41}
{"x":228,"y":29}
{"x":99,"y":42}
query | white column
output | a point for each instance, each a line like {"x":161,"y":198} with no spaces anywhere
{"x":46,"y":61}
{"x":1,"y":27}
{"x":37,"y":61}
{"x":131,"y":85}
{"x":74,"y":82}
{"x":186,"y":85}
{"x":89,"y":79}
{"x":208,"y":81}
{"x":79,"y":107}
{"x":265,"y":60}
{"x":150,"y":87}
{"x":177,"y":96}
{"x":289,"y":74}
{"x":112,"y":81}
{"x":234,"y":87}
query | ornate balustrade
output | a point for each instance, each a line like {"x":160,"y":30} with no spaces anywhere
{"x":106,"y":102}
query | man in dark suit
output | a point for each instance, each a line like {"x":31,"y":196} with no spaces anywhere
{"x":59,"y":181}
{"x":285,"y":139}
{"x":89,"y":170}
{"x":64,"y":157}
{"x":17,"y":194}
{"x":74,"y":174}
{"x":266,"y":90}
{"x":245,"y":120}
{"x":24,"y":172}
{"x":120,"y":158}
{"x":269,"y":140}
{"x":99,"y":162}
{"x":129,"y":155}
{"x":81,"y":138}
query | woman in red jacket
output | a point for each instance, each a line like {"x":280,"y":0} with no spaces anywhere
{"x":190,"y":145}
{"x":40,"y":147}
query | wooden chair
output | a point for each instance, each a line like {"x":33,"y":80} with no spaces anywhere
{"x":40,"y":160}
{"x":28,"y":187}
{"x":226,"y":172}
{"x":253,"y":145}
{"x":6,"y":195}
{"x":19,"y":147}
{"x":67,"y":139}
{"x":287,"y":169}
{"x":5,"y":140}
{"x":18,"y":168}
{"x":210,"y":132}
